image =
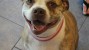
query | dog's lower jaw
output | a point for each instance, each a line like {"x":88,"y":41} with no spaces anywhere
{"x":52,"y":44}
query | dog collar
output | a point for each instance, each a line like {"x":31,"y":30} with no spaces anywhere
{"x":51,"y":36}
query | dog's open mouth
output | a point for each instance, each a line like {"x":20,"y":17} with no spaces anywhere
{"x":39,"y":27}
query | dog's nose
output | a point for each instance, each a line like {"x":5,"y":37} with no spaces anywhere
{"x":39,"y":12}
{"x":38,"y":16}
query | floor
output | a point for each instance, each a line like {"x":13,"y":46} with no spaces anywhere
{"x":12,"y":22}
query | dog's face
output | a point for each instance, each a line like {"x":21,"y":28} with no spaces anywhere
{"x":43,"y":14}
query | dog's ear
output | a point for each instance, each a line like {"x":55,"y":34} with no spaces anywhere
{"x":65,"y":4}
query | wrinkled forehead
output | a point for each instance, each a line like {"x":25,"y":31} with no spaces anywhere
{"x":43,"y":0}
{"x":56,"y":1}
{"x":53,"y":0}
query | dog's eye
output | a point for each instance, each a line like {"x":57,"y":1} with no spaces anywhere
{"x":30,"y":1}
{"x":52,"y":5}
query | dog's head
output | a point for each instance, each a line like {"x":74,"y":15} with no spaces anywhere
{"x":43,"y":14}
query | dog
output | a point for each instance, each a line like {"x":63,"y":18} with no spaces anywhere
{"x":49,"y":25}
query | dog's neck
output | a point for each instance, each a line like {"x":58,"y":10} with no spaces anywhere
{"x":50,"y":33}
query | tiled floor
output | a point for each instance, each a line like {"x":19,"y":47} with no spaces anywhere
{"x":12,"y":22}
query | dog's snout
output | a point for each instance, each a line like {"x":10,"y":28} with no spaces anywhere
{"x":39,"y":12}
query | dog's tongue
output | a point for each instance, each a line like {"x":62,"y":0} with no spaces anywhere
{"x":40,"y":28}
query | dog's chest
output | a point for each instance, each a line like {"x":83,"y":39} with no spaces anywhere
{"x":49,"y":45}
{"x":44,"y":46}
{"x":53,"y":44}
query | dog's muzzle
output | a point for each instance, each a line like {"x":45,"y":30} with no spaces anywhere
{"x":37,"y":23}
{"x":38,"y":16}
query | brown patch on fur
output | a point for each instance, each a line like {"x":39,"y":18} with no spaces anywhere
{"x":65,"y":4}
{"x":62,"y":5}
{"x":59,"y":2}
{"x":71,"y":33}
